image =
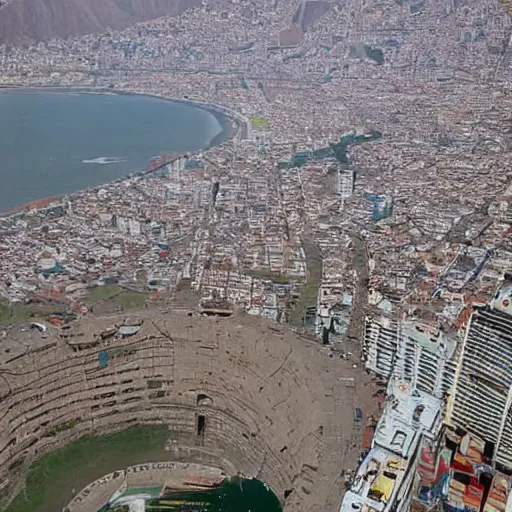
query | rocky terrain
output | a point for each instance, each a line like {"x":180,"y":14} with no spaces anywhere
{"x":240,"y":393}
{"x":23,"y":21}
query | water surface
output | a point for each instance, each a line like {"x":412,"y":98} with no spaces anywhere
{"x":53,"y":480}
{"x":54,"y":143}
{"x":235,"y":495}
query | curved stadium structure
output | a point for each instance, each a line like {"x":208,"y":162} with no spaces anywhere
{"x":232,"y":392}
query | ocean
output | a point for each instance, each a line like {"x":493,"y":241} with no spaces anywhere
{"x":53,"y":143}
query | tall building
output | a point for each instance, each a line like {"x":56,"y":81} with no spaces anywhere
{"x":423,"y":357}
{"x":346,"y":181}
{"x":380,"y":344}
{"x":481,"y":402}
{"x":384,"y":481}
{"x":416,"y":352}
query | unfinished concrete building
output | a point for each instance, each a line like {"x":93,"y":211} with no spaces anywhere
{"x":237,"y":393}
{"x":481,"y":402}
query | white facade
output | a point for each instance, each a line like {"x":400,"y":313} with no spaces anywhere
{"x":481,"y":402}
{"x":413,"y":351}
{"x":346,"y":181}
{"x":380,"y":344}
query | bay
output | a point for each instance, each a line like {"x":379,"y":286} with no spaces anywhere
{"x":54,"y":143}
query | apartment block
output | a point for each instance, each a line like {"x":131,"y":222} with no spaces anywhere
{"x":482,"y":397}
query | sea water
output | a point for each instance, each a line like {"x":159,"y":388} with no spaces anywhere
{"x":53,"y":143}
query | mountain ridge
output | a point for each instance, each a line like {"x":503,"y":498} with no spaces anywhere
{"x":24,"y":21}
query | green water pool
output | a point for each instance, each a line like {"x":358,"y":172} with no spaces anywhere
{"x":53,"y":480}
{"x":235,"y":495}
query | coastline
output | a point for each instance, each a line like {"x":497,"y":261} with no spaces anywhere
{"x":221,"y":113}
{"x":232,"y":124}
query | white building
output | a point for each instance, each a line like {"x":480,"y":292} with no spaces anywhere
{"x":385,"y":479}
{"x":481,"y":402}
{"x":346,"y":182}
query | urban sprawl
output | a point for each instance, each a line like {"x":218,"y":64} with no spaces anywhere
{"x":365,"y":200}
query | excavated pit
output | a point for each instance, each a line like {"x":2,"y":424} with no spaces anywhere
{"x":239,"y":393}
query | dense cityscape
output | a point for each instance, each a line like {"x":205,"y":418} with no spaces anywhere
{"x":364,"y":202}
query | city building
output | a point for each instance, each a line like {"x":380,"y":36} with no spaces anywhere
{"x":481,"y":401}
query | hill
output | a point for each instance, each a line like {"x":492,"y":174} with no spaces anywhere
{"x":35,"y":20}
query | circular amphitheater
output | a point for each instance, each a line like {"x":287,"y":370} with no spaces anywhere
{"x":239,"y":394}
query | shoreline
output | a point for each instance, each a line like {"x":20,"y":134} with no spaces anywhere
{"x":220,"y":112}
{"x":167,"y":474}
{"x":232,"y":124}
